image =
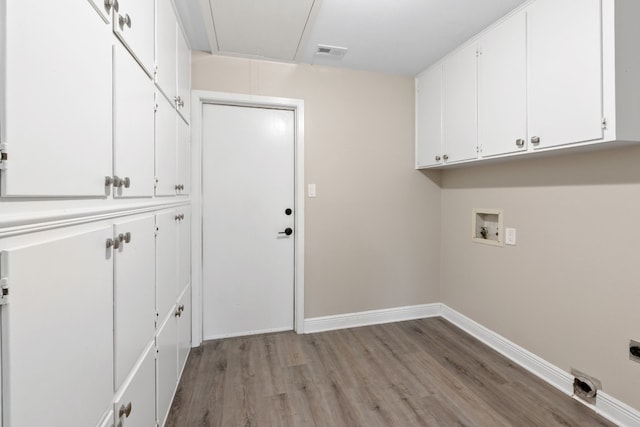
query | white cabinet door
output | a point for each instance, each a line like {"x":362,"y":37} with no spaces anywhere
{"x":166,"y":366}
{"x":184,"y":76}
{"x":184,"y":157}
{"x":166,"y":262}
{"x":56,"y":114}
{"x":459,"y":106}
{"x":133,"y":124}
{"x":184,"y":328}
{"x":134,"y":292}
{"x":58,"y":330}
{"x":502,"y":88}
{"x":429,"y":117}
{"x":136,"y":406}
{"x":166,"y":48}
{"x":108,"y":420}
{"x":184,"y":248}
{"x":166,"y":137}
{"x":564,"y":71}
{"x":133,"y":23}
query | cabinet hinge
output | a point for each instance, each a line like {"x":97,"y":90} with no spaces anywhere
{"x":604,"y":123}
{"x":4,"y":156}
{"x":155,"y":108}
{"x":155,"y":233}
{"x":4,"y":290}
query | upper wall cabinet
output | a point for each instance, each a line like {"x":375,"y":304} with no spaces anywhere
{"x":554,"y":74}
{"x":429,"y":117}
{"x":56,"y":103}
{"x":173,"y":59}
{"x":133,"y":127}
{"x":502,"y":84}
{"x":133,"y":23}
{"x":565,"y":72}
{"x":459,"y":106}
{"x":166,"y":49}
{"x":184,"y":77}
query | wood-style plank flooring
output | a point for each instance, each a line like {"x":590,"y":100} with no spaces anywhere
{"x":415,"y":373}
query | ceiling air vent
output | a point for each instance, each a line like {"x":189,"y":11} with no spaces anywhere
{"x":331,"y":51}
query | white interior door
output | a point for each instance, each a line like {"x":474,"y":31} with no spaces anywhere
{"x":248,"y":188}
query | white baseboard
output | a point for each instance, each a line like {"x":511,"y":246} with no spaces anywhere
{"x":372,"y":317}
{"x":607,"y":406}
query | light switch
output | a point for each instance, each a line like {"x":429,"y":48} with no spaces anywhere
{"x":510,"y":236}
{"x":311,"y":191}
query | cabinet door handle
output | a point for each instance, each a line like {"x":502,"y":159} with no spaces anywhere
{"x":445,"y":157}
{"x":124,"y":20}
{"x":117,"y":181}
{"x":110,"y":243}
{"x":535,"y":140}
{"x":108,"y":181}
{"x":178,"y":313}
{"x":125,"y":410}
{"x":520,"y":142}
{"x":181,"y":308}
{"x":438,"y":158}
{"x":126,"y":182}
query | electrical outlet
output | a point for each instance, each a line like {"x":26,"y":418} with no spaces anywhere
{"x":634,"y":351}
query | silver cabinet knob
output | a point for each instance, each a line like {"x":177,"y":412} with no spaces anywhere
{"x":177,"y":187}
{"x":445,"y":157}
{"x":110,"y":243}
{"x":178,"y":313}
{"x":535,"y":140}
{"x":125,"y":410}
{"x":124,"y":20}
{"x":108,"y":4}
{"x":438,"y":158}
{"x":181,"y":308}
{"x":108,"y":181}
{"x":126,"y":182}
{"x":125,"y":237}
{"x":520,"y":142}
{"x":179,"y":101}
{"x":117,"y":181}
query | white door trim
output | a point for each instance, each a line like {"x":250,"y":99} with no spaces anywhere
{"x":198,"y":99}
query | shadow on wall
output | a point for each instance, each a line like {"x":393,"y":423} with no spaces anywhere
{"x":563,"y":168}
{"x":435,"y":176}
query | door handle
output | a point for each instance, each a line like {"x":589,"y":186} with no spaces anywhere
{"x":288,"y":231}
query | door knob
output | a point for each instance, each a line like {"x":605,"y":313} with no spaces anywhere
{"x":288,"y":231}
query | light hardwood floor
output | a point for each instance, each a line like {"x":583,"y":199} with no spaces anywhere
{"x":415,"y":373}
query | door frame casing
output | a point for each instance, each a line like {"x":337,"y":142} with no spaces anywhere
{"x":198,"y":100}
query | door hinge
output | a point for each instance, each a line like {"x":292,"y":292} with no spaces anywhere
{"x":4,"y":290}
{"x":604,"y":123}
{"x":4,"y":156}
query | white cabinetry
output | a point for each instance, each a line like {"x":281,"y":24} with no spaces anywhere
{"x":166,"y":49}
{"x":58,"y":328}
{"x":459,"y":106}
{"x":134,"y":291}
{"x":429,"y":117}
{"x":167,"y":362}
{"x":166,"y":138}
{"x":184,"y":328}
{"x":551,"y":75}
{"x":133,"y":139}
{"x":184,"y":158}
{"x":502,"y":82}
{"x":136,"y":405}
{"x":55,"y":114}
{"x":565,"y":72}
{"x":133,"y":23}
{"x":184,"y":76}
{"x":173,"y":59}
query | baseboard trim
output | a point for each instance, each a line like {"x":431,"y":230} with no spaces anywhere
{"x":607,"y":406}
{"x":372,"y":317}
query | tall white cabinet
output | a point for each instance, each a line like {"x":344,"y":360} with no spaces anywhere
{"x":94,"y":287}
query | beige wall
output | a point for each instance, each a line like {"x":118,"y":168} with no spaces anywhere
{"x":570,"y":290}
{"x":373,"y":232}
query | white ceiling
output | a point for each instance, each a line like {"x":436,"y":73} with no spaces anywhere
{"x":390,"y":36}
